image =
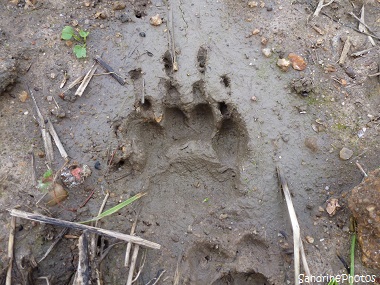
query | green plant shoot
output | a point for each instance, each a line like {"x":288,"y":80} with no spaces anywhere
{"x":46,"y":181}
{"x":116,"y":208}
{"x":79,"y":49}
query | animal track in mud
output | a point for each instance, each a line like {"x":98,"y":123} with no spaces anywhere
{"x":186,"y":152}
{"x":241,"y":264}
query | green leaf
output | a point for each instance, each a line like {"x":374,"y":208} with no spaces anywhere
{"x":80,"y":51}
{"x":47,"y":173}
{"x":205,"y":200}
{"x":83,"y":34}
{"x":67,"y":33}
{"x":116,"y":208}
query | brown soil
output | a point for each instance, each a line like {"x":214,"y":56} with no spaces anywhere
{"x":203,"y":142}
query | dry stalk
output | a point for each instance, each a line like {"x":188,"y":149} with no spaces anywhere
{"x":99,"y":231}
{"x":133,"y":264}
{"x":298,"y":246}
{"x":320,"y":6}
{"x":11,"y":242}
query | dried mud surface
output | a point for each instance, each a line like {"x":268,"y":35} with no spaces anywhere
{"x":205,"y":140}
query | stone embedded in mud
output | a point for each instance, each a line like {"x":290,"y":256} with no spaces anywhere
{"x":8,"y":73}
{"x":364,"y":205}
{"x":312,"y":143}
{"x":345,"y":153}
{"x":298,"y":62}
{"x":283,"y":64}
{"x":252,"y":4}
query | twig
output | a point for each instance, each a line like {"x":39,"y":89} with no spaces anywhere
{"x":320,"y":6}
{"x":177,"y":274}
{"x":99,"y":231}
{"x":129,"y":245}
{"x":106,"y":251}
{"x":86,"y":80}
{"x":175,"y":63}
{"x":82,"y":276}
{"x":133,"y":264}
{"x":298,"y":246}
{"x":346,"y":49}
{"x":45,"y":135}
{"x":361,"y":168}
{"x":142,"y":263}
{"x":362,"y":52}
{"x":364,"y":28}
{"x":143,"y":92}
{"x":11,"y":242}
{"x":33,"y":167}
{"x":109,"y":69}
{"x":74,"y":83}
{"x":57,"y":239}
{"x":57,"y":141}
{"x":157,"y":278}
{"x":360,"y":22}
{"x":94,"y":236}
{"x":88,"y":199}
{"x":45,"y":278}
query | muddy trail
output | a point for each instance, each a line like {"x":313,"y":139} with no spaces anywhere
{"x":203,"y":120}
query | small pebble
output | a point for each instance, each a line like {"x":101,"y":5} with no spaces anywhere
{"x":253,"y":98}
{"x":309,"y":239}
{"x":49,"y":98}
{"x":267,"y":52}
{"x":23,"y":96}
{"x":118,"y":5}
{"x":311,"y":143}
{"x":269,"y":8}
{"x":345,"y":153}
{"x":142,"y":34}
{"x":223,"y":216}
{"x":53,"y":75}
{"x":97,"y":165}
{"x":87,"y":21}
{"x":283,"y":64}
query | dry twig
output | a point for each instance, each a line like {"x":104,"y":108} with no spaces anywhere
{"x":346,"y":49}
{"x":45,"y":135}
{"x":133,"y":264}
{"x":298,"y":246}
{"x":86,"y":80}
{"x":82,"y":276}
{"x":320,"y":6}
{"x":129,"y":245}
{"x":99,"y":231}
{"x":361,"y":169}
{"x":11,"y":242}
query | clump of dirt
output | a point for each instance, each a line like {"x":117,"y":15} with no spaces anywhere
{"x":365,"y":208}
{"x":8,"y":73}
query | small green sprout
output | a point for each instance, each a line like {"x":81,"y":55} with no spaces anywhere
{"x":80,"y":36}
{"x":46,"y":181}
{"x":205,"y":200}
